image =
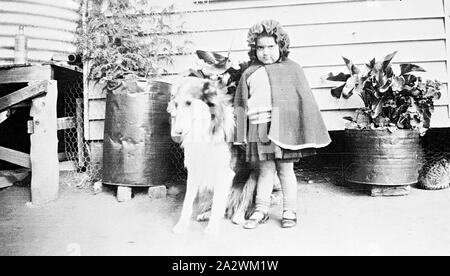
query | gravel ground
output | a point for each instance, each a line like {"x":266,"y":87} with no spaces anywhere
{"x":334,"y":220}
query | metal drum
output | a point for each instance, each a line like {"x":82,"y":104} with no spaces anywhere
{"x":49,"y":25}
{"x":137,"y":142}
{"x":379,"y":157}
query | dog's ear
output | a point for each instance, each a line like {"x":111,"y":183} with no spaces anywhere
{"x":223,"y":80}
{"x":209,"y":93}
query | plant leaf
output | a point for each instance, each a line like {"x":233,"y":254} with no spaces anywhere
{"x":377,"y":110}
{"x":212,"y":58}
{"x":398,"y":83}
{"x":408,"y":68}
{"x":386,"y":85}
{"x":410,"y":81}
{"x":371,"y":65}
{"x":351,"y":67}
{"x":387,"y":60}
{"x":349,"y":118}
{"x":206,"y":57}
{"x":349,"y":87}
{"x":341,"y":77}
{"x":337,"y":91}
{"x":392,"y":129}
{"x":195,"y":73}
{"x":427,"y":119}
{"x":347,"y":95}
{"x":389,"y":72}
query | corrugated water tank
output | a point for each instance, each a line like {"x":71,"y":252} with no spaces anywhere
{"x":49,"y":25}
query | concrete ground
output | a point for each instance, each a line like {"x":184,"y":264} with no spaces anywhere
{"x":334,"y":220}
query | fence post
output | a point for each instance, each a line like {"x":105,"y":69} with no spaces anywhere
{"x":44,"y":147}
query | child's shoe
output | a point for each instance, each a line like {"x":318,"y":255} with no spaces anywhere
{"x":258,"y":217}
{"x":289,"y":219}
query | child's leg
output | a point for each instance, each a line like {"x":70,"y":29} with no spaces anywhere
{"x":265,"y":185}
{"x":288,"y":185}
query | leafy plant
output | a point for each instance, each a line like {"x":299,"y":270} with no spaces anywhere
{"x":126,"y":39}
{"x":391,"y":101}
{"x":217,"y":66}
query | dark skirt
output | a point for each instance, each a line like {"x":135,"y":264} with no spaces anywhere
{"x":260,"y":148}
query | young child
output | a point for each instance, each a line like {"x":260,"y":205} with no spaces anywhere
{"x":277,"y":117}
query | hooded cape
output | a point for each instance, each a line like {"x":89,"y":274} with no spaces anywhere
{"x":296,"y":118}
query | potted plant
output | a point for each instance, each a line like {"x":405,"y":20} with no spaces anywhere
{"x":127,"y":45}
{"x":383,"y":136}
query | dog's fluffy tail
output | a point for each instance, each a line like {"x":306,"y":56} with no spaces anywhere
{"x":242,"y":197}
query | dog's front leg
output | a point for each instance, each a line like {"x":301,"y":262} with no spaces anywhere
{"x":221,"y":191}
{"x":217,"y":212}
{"x":186,"y":212}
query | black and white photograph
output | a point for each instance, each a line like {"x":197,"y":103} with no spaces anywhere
{"x":244,"y":130}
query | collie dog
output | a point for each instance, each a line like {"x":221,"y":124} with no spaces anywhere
{"x":202,"y":117}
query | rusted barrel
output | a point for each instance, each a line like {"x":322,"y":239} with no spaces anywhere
{"x":137,"y":142}
{"x":379,"y":157}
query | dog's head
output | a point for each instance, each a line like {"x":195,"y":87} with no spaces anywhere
{"x":201,"y":111}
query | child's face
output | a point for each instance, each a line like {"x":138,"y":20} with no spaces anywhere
{"x":267,"y":50}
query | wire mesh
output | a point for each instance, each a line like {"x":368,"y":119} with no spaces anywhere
{"x":80,"y":171}
{"x":180,"y":174}
{"x":326,"y":167}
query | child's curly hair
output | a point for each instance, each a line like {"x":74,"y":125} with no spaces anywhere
{"x":272,"y":28}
